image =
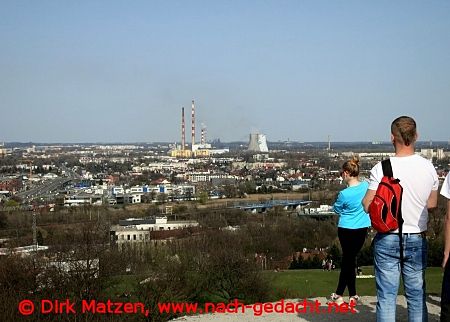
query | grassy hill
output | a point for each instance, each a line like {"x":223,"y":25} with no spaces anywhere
{"x":298,"y":283}
{"x":315,"y":282}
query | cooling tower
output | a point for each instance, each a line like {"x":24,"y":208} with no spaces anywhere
{"x":258,"y":143}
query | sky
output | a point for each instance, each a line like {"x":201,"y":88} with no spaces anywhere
{"x":120,"y":71}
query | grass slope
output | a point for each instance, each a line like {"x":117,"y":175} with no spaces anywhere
{"x":316,"y":282}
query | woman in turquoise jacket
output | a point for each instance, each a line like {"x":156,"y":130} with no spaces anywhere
{"x":352,"y":228}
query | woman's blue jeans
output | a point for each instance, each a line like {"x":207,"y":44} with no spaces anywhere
{"x":387,"y":275}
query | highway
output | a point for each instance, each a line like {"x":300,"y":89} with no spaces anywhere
{"x":49,"y":187}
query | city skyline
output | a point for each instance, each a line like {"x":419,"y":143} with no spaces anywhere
{"x":106,"y":71}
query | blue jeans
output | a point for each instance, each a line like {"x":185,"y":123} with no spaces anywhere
{"x":387,"y":275}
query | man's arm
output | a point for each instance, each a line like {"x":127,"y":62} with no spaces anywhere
{"x":447,"y":235}
{"x":367,"y":200}
{"x":432,"y":200}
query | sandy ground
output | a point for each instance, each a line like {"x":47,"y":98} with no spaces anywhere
{"x":365,"y":311}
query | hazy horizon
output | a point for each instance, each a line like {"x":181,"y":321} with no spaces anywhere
{"x":420,"y":143}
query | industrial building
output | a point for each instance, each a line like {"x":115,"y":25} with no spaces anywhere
{"x":196,"y":150}
{"x":257,"y":143}
{"x":140,"y":230}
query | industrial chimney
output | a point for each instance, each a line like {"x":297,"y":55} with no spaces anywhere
{"x":193,"y":124}
{"x":183,"y":130}
{"x":203,"y":140}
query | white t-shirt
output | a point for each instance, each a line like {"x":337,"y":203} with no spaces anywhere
{"x":445,"y":190}
{"x":418,"y":178}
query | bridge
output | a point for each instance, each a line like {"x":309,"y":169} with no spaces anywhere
{"x":265,"y":205}
{"x":289,"y":205}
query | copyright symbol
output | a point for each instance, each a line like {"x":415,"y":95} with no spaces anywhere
{"x":26,"y":307}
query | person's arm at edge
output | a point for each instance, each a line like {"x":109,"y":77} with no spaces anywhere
{"x":446,"y":235}
{"x":367,"y":200}
{"x":432,"y":200}
{"x":374,"y":180}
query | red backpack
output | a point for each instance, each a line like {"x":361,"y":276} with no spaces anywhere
{"x":385,"y":209}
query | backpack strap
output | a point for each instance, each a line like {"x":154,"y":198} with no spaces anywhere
{"x":387,"y":171}
{"x":400,"y":231}
{"x":387,"y":168}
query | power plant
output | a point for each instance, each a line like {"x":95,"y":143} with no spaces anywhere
{"x":258,"y":143}
{"x":196,"y":150}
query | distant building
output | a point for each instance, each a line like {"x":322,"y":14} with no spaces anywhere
{"x":156,"y":223}
{"x":83,"y":198}
{"x":430,"y":153}
{"x":207,"y":176}
{"x":23,"y":250}
{"x":117,"y":190}
{"x":179,"y":153}
{"x":300,"y":184}
{"x":258,"y":143}
{"x":140,"y":230}
{"x":11,"y":184}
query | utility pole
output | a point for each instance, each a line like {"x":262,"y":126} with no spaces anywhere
{"x":35,"y":245}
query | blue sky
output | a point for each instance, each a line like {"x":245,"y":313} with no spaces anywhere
{"x":120,"y":71}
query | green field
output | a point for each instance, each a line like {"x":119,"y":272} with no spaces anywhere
{"x":293,"y":283}
{"x":315,"y":282}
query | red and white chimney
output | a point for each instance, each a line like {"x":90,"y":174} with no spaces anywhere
{"x":183,"y":130}
{"x":193,"y":123}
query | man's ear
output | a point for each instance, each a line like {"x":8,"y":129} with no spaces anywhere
{"x":392,"y":138}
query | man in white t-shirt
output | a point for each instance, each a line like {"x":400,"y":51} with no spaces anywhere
{"x":445,"y":294}
{"x":419,"y":180}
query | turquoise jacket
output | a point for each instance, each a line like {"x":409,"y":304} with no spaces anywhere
{"x":350,"y":209}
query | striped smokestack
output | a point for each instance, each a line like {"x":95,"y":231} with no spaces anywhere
{"x":183,"y":130}
{"x":193,"y":123}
